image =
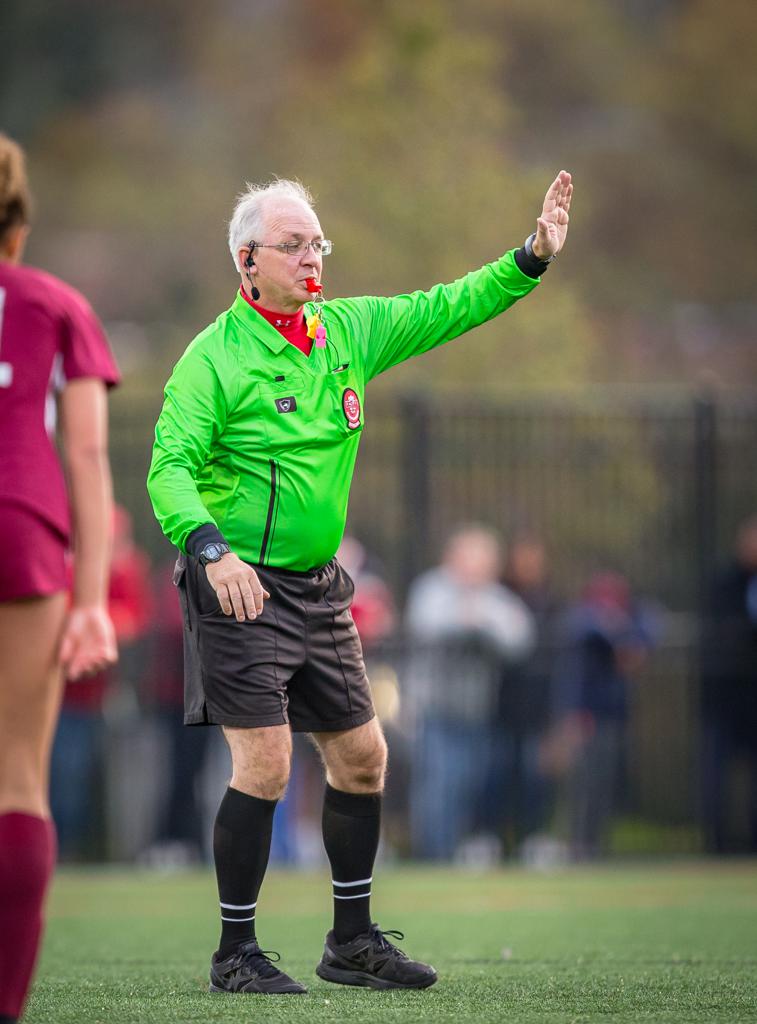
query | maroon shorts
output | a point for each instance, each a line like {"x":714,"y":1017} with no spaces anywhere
{"x":33,"y":562}
{"x":300,"y":662}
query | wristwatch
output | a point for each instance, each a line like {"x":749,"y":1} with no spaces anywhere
{"x":213,"y":553}
{"x":528,"y":245}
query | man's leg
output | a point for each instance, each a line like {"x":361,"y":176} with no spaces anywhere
{"x":241,"y":845}
{"x":355,"y":767}
{"x":357,"y":952}
{"x":30,"y":688}
{"x":242,"y":834}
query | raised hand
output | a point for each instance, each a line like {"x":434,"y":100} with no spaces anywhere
{"x":552,"y":226}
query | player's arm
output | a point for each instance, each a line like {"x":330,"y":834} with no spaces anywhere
{"x":89,"y":642}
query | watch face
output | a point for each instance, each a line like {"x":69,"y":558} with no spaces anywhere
{"x":212,"y":552}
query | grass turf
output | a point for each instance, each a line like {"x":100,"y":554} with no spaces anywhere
{"x":672,"y":942}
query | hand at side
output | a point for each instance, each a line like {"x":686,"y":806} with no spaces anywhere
{"x":237,"y":587}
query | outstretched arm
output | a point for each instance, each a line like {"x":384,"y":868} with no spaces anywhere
{"x":397,"y":328}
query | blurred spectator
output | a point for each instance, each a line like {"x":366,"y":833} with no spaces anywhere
{"x":606,"y":638}
{"x":76,"y":769}
{"x":179,"y":839}
{"x":729,"y":692}
{"x":372,"y":606}
{"x":465,"y":627}
{"x":374,"y":612}
{"x":526,"y":704}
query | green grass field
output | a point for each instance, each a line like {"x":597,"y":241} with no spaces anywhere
{"x":671,"y":942}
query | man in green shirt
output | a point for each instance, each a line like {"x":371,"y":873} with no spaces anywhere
{"x":254,"y":453}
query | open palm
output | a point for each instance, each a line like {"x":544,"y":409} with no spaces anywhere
{"x":552,"y":225}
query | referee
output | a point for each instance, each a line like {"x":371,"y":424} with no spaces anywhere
{"x":254,"y":453}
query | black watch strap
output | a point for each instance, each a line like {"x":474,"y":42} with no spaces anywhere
{"x":213,"y":552}
{"x":528,"y":245}
{"x":528,"y":261}
{"x":206,"y":534}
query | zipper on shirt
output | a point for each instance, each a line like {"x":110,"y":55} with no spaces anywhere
{"x":273,"y":500}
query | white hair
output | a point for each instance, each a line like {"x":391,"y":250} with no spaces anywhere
{"x":246,"y":222}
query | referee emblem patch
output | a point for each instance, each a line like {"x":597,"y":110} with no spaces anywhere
{"x":351,"y":407}
{"x":287,"y":404}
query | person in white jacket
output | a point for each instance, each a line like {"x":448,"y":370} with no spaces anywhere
{"x":466,"y":632}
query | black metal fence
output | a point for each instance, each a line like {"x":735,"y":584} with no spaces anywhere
{"x":653,"y":487}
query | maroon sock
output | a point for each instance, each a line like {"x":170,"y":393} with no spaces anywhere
{"x":27,"y":858}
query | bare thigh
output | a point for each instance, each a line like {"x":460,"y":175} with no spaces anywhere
{"x":260,"y":760}
{"x":355,"y":759}
{"x":30,"y":693}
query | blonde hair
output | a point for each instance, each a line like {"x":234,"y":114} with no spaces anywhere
{"x":15,"y":198}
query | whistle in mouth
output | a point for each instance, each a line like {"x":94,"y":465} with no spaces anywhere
{"x":313,"y":286}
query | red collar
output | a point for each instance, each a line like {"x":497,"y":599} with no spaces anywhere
{"x":279,"y":320}
{"x":291,"y":325}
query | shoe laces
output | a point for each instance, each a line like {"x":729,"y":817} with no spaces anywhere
{"x":261,"y":960}
{"x":382,"y":942}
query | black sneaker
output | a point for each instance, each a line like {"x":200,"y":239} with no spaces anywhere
{"x":249,"y":969}
{"x":372,"y":961}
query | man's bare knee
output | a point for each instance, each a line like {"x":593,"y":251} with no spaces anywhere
{"x":268,"y":783}
{"x":261,"y":760}
{"x":263,"y":789}
{"x":366,"y":778}
{"x":368,"y":771}
{"x":355,"y":760}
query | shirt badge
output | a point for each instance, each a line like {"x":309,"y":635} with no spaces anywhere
{"x":287,"y":404}
{"x":351,"y":407}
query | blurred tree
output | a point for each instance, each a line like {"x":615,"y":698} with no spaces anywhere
{"x":428,"y":132}
{"x":651,"y":105}
{"x":408,"y":149}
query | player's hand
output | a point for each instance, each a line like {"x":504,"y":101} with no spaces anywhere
{"x":89,"y":642}
{"x":552,"y":226}
{"x":237,"y":587}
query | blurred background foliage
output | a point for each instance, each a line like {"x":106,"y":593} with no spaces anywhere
{"x":428,"y":133}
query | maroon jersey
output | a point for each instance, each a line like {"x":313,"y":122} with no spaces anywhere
{"x":48,"y":335}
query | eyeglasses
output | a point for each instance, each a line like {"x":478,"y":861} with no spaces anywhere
{"x":320,"y":246}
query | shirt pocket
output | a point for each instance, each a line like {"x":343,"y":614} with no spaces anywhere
{"x":287,"y":405}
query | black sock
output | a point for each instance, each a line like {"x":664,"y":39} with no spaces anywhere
{"x":241,"y":845}
{"x":351,"y":825}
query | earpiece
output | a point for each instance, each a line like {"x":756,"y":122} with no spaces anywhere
{"x":250,"y":262}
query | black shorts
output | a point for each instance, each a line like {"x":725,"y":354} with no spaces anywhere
{"x":299,"y":662}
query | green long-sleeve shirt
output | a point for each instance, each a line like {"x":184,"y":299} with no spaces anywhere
{"x":261,"y":440}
